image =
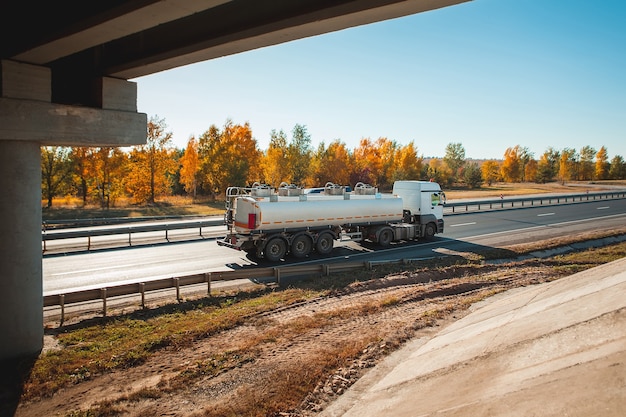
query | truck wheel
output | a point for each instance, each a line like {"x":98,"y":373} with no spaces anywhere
{"x":301,"y":246}
{"x":324,"y":244}
{"x":275,"y":249}
{"x":429,"y":230}
{"x":385,"y":237}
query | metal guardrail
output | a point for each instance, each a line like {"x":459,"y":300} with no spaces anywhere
{"x":62,"y":299}
{"x":504,"y":203}
{"x":123,"y":230}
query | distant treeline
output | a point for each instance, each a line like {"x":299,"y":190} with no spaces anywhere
{"x":227,"y":156}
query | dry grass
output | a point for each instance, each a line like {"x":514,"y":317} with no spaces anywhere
{"x":125,"y":342}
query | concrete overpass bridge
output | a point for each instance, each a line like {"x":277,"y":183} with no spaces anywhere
{"x":64,"y":71}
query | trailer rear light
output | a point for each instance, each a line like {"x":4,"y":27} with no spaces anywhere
{"x":251,"y":220}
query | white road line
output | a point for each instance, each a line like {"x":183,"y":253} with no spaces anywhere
{"x":462,"y":224}
{"x":602,"y":208}
{"x":545,"y":214}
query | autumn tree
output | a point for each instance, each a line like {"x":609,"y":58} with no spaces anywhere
{"x":567,"y":165}
{"x":332,"y":164}
{"x":190,"y":167}
{"x":530,"y":170}
{"x":228,"y":157}
{"x":601,"y":171}
{"x":82,"y":162}
{"x":514,"y":163}
{"x":299,"y":154}
{"x":274,"y":162}
{"x":454,"y":159}
{"x":367,"y":164}
{"x":152,"y":164}
{"x":586,"y":166}
{"x":56,"y":171}
{"x":490,"y":171}
{"x":108,"y":167}
{"x":408,"y":165}
{"x":439,"y":172}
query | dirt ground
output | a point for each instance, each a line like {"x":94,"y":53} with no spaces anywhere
{"x":417,"y":305}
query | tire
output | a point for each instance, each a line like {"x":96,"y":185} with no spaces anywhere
{"x":385,"y":237}
{"x":301,"y":246}
{"x":324,"y":244}
{"x":429,"y":230}
{"x":275,"y":249}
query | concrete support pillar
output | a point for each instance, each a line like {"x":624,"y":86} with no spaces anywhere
{"x":21,"y":290}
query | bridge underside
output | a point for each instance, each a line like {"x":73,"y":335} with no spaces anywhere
{"x":64,"y":70}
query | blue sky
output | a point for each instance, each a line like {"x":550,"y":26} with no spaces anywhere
{"x":490,"y":74}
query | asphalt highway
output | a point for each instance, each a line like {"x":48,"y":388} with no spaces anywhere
{"x":462,"y":232}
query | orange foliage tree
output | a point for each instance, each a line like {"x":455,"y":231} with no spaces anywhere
{"x":190,"y":167}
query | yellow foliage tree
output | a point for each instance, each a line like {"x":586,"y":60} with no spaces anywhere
{"x":602,"y":164}
{"x":332,"y":164}
{"x":408,"y":165}
{"x":491,"y":171}
{"x":152,"y":165}
{"x":274,"y":162}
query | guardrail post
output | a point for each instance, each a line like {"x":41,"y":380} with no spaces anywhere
{"x":62,"y":304}
{"x":142,"y":290}
{"x":207,"y":278}
{"x":368,"y":265}
{"x":129,"y":239}
{"x":325,"y":270}
{"x":167,"y":237}
{"x":103,"y":295}
{"x":277,"y":275}
{"x":177,"y":285}
{"x":88,"y":242}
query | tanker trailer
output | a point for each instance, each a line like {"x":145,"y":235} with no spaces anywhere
{"x":271,"y":224}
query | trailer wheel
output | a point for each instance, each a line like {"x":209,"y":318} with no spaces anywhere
{"x":429,"y":230}
{"x":301,"y":246}
{"x":275,"y":249}
{"x":385,"y":237}
{"x":324,"y":244}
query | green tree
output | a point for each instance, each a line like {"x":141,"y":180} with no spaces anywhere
{"x":472,"y":175}
{"x":56,"y":171}
{"x":617,"y":170}
{"x":548,"y":166}
{"x":454,"y":159}
{"x":299,"y":154}
{"x":586,"y":166}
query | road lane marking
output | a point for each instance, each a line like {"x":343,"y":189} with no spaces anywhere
{"x":462,"y":224}
{"x":545,"y":214}
{"x":602,"y":208}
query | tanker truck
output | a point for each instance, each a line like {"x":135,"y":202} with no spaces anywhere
{"x":271,"y":224}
